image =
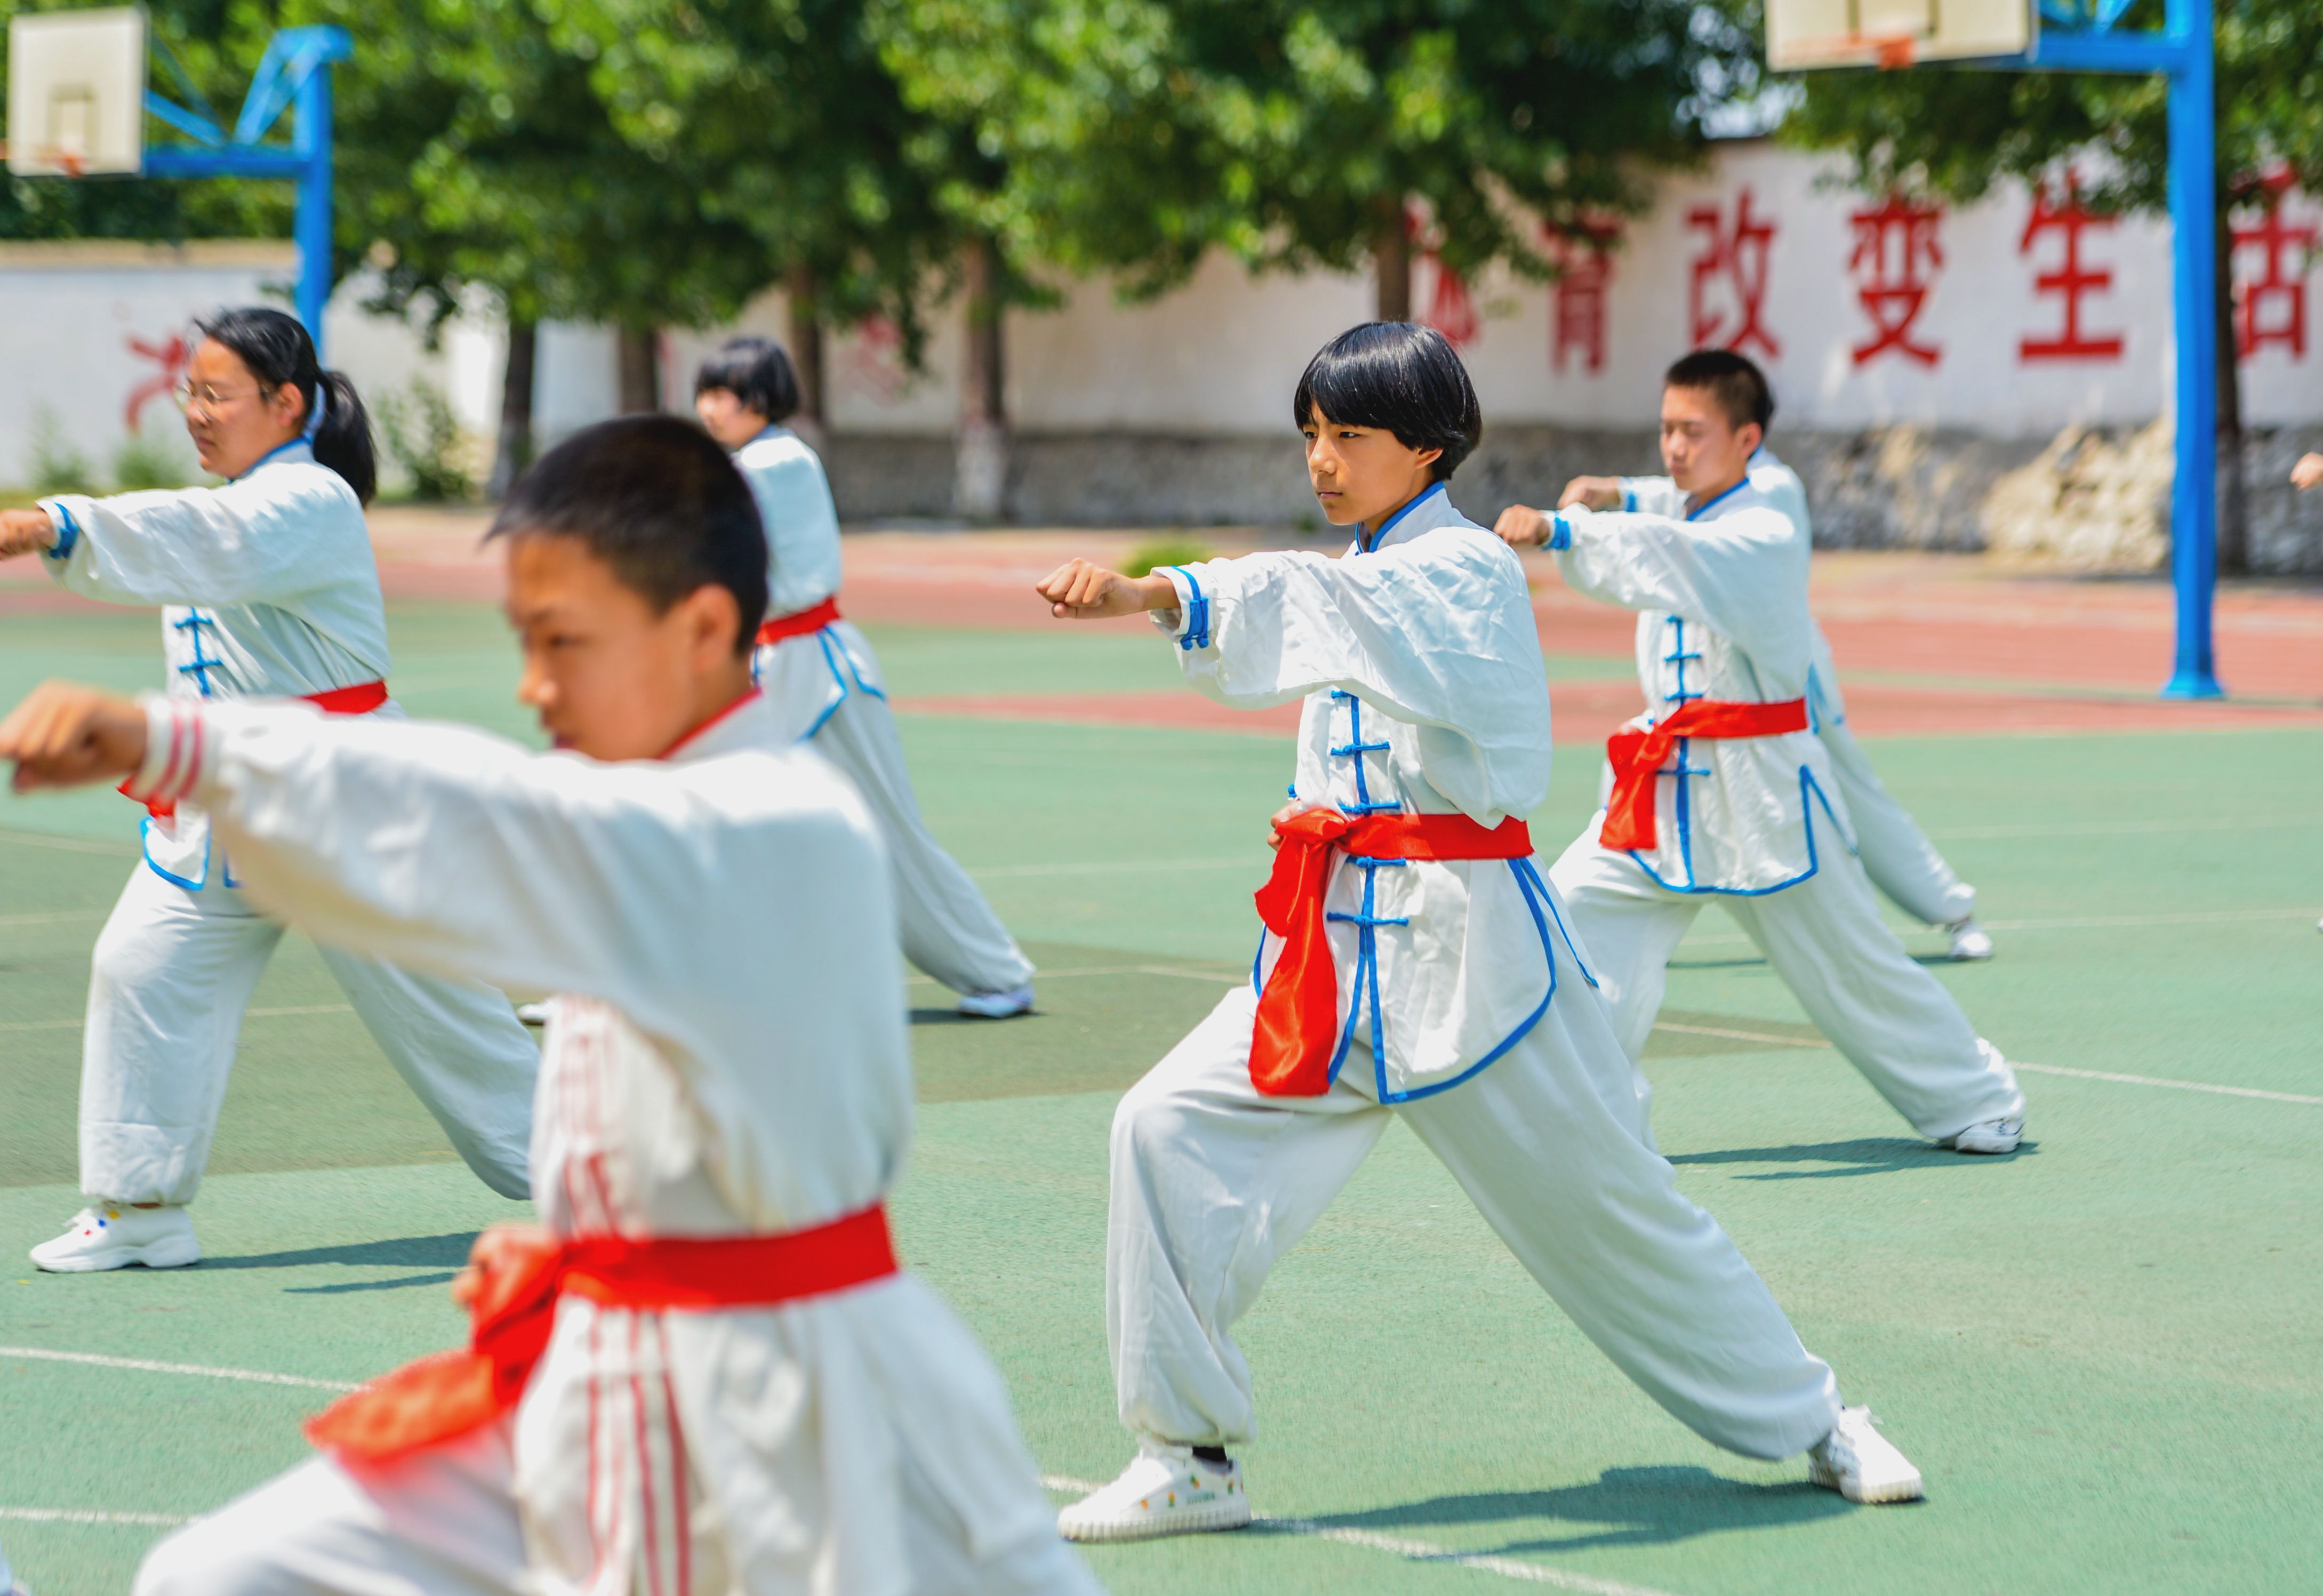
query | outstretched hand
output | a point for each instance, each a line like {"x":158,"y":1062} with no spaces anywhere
{"x":1080,"y":589}
{"x":65,"y":735}
{"x":1522,"y":527}
{"x":2306,"y":472}
{"x":25,"y":532}
{"x":1592,"y":492}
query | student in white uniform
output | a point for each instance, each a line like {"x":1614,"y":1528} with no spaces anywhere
{"x":823,"y":680}
{"x":268,"y":588}
{"x":1720,"y":790}
{"x":706,"y":1375}
{"x":1414,"y":962}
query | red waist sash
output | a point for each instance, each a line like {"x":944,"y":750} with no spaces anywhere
{"x":1637,"y":754}
{"x":801,"y":624}
{"x":449,"y":1394}
{"x":359,"y":700}
{"x":1298,"y":1024}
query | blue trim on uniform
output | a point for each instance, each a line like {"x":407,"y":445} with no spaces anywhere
{"x":1526,"y":872}
{"x":1256,"y":960}
{"x":1354,"y":749}
{"x":1197,"y":612}
{"x":1371,"y":543}
{"x":145,"y":846}
{"x":1560,"y":534}
{"x":1629,"y":500}
{"x":1700,"y":510}
{"x":68,"y":534}
{"x":202,"y":664}
{"x":1524,"y":1027}
{"x":1807,"y":785}
{"x":300,"y":442}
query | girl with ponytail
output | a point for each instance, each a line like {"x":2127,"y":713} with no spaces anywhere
{"x":268,"y":588}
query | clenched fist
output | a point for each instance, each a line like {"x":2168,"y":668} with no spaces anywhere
{"x":1080,"y":589}
{"x":65,"y":735}
{"x":25,"y":532}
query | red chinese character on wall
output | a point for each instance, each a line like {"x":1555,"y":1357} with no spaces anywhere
{"x":1583,"y":256}
{"x":1737,"y":256}
{"x":170,"y":357}
{"x":2072,"y":279}
{"x":1895,"y":246}
{"x":2271,"y":306}
{"x":1451,"y":311}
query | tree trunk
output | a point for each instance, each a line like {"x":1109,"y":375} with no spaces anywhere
{"x":513,"y":451}
{"x":2233,"y":501}
{"x":1392,"y":261}
{"x":806,"y":355}
{"x":980,"y":477}
{"x":640,"y":369}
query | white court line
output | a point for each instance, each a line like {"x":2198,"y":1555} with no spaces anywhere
{"x":55,"y":917}
{"x":1115,"y":867}
{"x":148,"y":1366}
{"x":301,"y":1008}
{"x":87,"y":1516}
{"x":1411,"y":1551}
{"x":2086,"y":922}
{"x":69,"y":844}
{"x":2125,"y":827}
{"x":2131,"y":1080}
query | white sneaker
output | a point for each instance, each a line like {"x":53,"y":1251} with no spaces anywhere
{"x":1971,"y":943}
{"x":1858,"y":1462}
{"x":1992,"y":1135}
{"x":1165,"y":1491}
{"x":998,"y":1005}
{"x":533,"y":1014}
{"x":114,"y":1236}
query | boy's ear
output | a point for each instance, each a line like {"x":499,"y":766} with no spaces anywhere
{"x":713,"y":621}
{"x":1749,"y":435}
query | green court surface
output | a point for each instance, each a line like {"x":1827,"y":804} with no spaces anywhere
{"x":2102,"y":1351}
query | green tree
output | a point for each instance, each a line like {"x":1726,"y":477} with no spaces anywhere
{"x":1954,"y":133}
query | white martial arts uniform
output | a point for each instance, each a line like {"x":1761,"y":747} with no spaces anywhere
{"x":825,"y":684}
{"x":1469,"y":1012}
{"x":268,"y":588}
{"x":727,"y":1056}
{"x":1753,"y":821}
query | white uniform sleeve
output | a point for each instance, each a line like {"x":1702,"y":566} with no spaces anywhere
{"x":450,"y":849}
{"x":247,"y":543}
{"x":1436,"y":632}
{"x":1744,"y":575}
{"x":1653,"y":496}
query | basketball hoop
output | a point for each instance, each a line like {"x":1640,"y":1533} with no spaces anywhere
{"x":1894,"y":54}
{"x":77,"y":93}
{"x":1894,"y":34}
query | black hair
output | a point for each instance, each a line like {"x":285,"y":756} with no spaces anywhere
{"x":659,"y":500}
{"x":1737,"y":384}
{"x":277,"y":350}
{"x":1398,"y":375}
{"x":756,"y":371}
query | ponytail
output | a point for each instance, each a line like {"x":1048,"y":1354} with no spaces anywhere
{"x":277,"y":350}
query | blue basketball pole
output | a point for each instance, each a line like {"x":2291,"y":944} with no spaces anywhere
{"x":2082,"y":39}
{"x":294,"y":74}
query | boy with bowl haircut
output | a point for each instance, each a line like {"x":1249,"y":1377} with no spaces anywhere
{"x":705,"y":1373}
{"x":1414,"y":961}
{"x":1720,"y":789}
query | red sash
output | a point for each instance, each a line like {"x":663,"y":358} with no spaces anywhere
{"x":1637,"y":754}
{"x":801,"y":624}
{"x":1299,"y":1012}
{"x":359,"y":700}
{"x":449,"y":1394}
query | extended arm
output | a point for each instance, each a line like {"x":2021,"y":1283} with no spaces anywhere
{"x":1744,"y":575}
{"x":237,"y":544}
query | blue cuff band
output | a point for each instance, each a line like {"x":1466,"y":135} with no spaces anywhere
{"x":1197,"y":613}
{"x":1560,"y":533}
{"x":68,"y":533}
{"x":1629,"y":500}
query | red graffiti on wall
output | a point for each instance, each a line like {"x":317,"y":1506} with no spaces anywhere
{"x":1735,"y":257}
{"x":2271,"y":303}
{"x":1896,"y":259}
{"x":170,"y":357}
{"x":2073,"y":279}
{"x":1584,"y":255}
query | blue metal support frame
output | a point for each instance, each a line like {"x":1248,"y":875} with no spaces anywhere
{"x":295,"y":75}
{"x":2081,"y":38}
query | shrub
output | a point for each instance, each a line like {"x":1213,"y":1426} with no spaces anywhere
{"x":143,"y":461}
{"x":58,"y":467}
{"x":425,"y":438}
{"x":1146,"y":557}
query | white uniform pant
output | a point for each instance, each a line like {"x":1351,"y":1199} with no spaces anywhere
{"x":1213,"y":1182}
{"x":1896,"y":854}
{"x":172,"y":973}
{"x":1891,"y":1019}
{"x":445,"y":1523}
{"x":949,"y":929}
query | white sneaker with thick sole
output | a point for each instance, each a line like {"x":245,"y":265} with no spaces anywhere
{"x":1164,"y":1490}
{"x":533,"y":1014}
{"x":1992,"y":1135}
{"x":114,"y":1235}
{"x":998,"y":1005}
{"x":1859,"y":1463}
{"x":1971,"y":943}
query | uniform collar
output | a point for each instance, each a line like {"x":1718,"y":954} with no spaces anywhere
{"x":724,"y":732}
{"x":1424,"y":512}
{"x":1708,"y":504}
{"x":297,"y":451}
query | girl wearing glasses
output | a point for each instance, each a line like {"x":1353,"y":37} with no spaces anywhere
{"x":268,"y":588}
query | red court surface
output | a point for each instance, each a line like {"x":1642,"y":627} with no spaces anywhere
{"x":1928,"y":643}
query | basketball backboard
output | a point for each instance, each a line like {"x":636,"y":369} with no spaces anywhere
{"x":1805,"y":33}
{"x":76,"y":92}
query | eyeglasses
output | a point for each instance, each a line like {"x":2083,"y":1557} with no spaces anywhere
{"x":206,"y":400}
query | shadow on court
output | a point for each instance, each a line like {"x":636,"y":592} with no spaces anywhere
{"x":443,"y":1251}
{"x":1623,"y":1508}
{"x":1869,"y":1155}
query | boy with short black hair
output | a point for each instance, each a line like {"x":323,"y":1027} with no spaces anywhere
{"x":819,"y":674}
{"x":1413,"y":962}
{"x":706,"y":1373}
{"x":1722,"y":789}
